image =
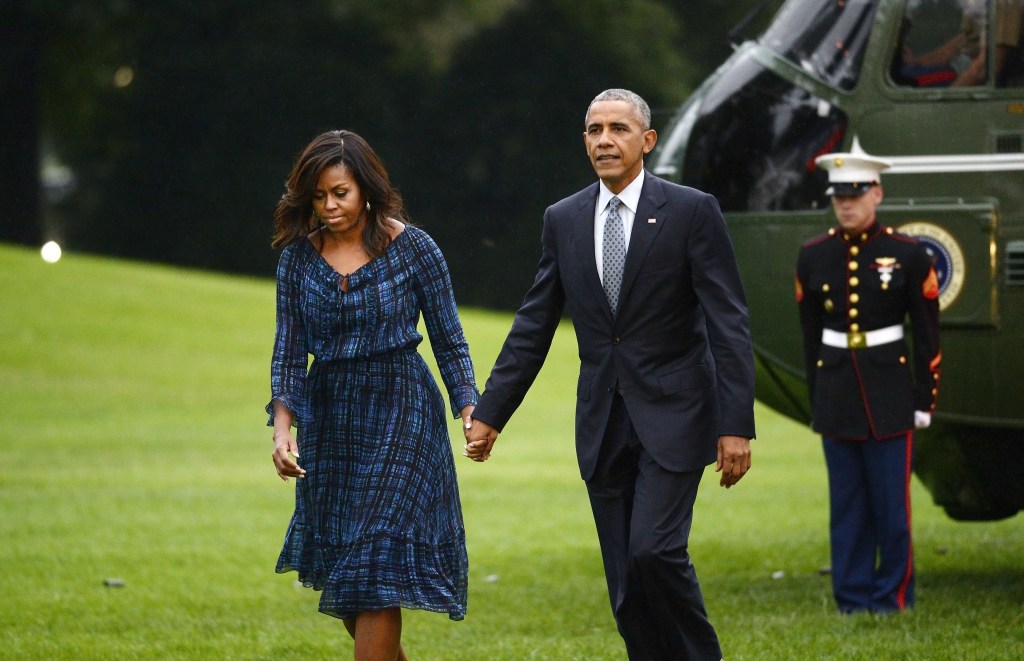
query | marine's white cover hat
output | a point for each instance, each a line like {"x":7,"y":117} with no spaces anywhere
{"x":853,"y":172}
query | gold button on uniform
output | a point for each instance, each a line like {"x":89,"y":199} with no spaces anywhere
{"x":824,"y":287}
{"x":903,"y":360}
{"x":854,"y":281}
{"x":855,"y":327}
{"x":854,"y":298}
{"x":820,"y":363}
{"x":853,"y":313}
{"x":853,"y":265}
{"x":854,"y":250}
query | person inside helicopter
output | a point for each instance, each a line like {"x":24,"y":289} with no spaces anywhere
{"x":960,"y":28}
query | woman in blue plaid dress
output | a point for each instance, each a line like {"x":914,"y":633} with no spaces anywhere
{"x":377,"y":524}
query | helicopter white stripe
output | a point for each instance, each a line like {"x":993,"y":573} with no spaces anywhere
{"x":954,"y":163}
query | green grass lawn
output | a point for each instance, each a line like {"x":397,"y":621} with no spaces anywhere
{"x":133,"y":447}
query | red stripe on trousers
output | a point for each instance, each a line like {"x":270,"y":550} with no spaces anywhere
{"x":901,"y":594}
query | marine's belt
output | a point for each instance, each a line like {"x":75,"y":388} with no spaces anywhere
{"x":861,"y":340}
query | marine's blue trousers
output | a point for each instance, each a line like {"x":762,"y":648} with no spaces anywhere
{"x":869,"y":503}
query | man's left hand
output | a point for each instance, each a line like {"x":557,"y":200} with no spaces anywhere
{"x":733,"y":459}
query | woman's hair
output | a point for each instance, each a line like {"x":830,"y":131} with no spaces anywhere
{"x":294,"y":218}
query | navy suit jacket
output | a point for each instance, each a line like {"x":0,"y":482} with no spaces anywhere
{"x":678,"y":350}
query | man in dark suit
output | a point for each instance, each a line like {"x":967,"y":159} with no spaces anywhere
{"x":666,"y":382}
{"x":855,"y":286}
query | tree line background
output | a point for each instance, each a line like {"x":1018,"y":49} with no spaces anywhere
{"x":165,"y":131}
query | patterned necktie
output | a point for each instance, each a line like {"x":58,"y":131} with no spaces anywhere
{"x":614,"y":253}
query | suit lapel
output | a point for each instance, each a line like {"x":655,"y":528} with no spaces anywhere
{"x":652,"y":198}
{"x":583,"y":243}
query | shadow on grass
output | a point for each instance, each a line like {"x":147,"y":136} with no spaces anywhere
{"x":958,"y":588}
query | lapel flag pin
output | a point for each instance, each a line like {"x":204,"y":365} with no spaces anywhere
{"x":651,"y":221}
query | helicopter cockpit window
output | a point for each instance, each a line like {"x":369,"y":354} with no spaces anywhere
{"x":754,"y":139}
{"x":944,"y":43}
{"x":826,"y":39}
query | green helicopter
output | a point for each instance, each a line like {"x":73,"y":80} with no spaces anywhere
{"x":936,"y":87}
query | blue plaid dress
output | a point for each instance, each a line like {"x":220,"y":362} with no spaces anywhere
{"x":377,"y":521}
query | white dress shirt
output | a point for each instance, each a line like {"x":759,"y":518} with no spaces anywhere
{"x":630,"y":198}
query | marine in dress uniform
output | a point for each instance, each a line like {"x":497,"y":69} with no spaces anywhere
{"x":856,"y":286}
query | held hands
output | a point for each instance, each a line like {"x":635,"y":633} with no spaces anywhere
{"x":285,"y":453}
{"x":480,"y":436}
{"x":922,"y":419}
{"x":733,"y":459}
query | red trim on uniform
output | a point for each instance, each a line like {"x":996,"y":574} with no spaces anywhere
{"x":902,"y":237}
{"x":873,"y":432}
{"x":901,"y":593}
{"x":815,"y":240}
{"x":853,"y":353}
{"x":930,"y":287}
{"x":863,"y":393}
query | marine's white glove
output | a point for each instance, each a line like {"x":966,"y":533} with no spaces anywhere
{"x":922,"y":419}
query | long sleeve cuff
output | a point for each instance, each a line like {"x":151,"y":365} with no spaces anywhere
{"x":294,"y":404}
{"x":462,"y":396}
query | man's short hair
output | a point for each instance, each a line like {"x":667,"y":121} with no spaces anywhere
{"x":643,"y":111}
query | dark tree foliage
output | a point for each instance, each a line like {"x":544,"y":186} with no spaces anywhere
{"x":515,"y":145}
{"x":22,"y":36}
{"x":179,"y":121}
{"x":186,"y":162}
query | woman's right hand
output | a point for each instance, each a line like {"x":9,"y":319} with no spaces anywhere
{"x":285,"y":453}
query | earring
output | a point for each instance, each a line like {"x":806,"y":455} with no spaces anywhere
{"x":367,"y":205}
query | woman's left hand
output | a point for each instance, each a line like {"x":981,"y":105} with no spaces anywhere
{"x":467,"y":417}
{"x":286,"y":451}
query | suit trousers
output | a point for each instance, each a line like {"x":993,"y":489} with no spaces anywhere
{"x":643,"y":515}
{"x":869,"y":523}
